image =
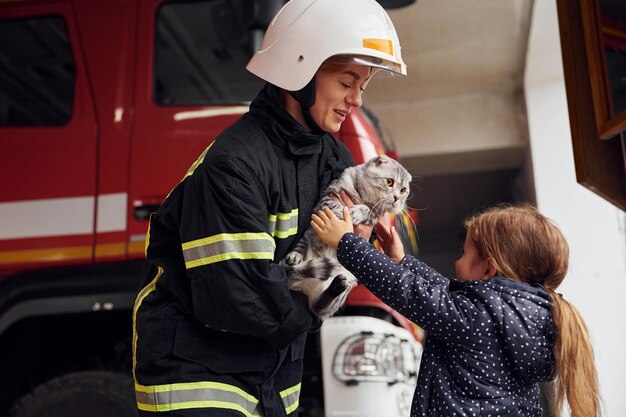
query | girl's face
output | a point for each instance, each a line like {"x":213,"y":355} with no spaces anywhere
{"x":471,"y":266}
{"x":336,"y":92}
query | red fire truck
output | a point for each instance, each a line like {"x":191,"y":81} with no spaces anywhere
{"x":103,"y":106}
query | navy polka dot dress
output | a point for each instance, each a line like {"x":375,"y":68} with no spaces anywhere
{"x":488,"y":343}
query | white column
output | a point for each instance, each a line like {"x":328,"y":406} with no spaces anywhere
{"x":596,"y":283}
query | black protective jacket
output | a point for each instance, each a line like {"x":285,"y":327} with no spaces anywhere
{"x":217,"y":331}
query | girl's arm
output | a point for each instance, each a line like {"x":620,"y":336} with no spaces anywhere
{"x":421,"y":294}
{"x":392,"y":246}
{"x":418,"y":267}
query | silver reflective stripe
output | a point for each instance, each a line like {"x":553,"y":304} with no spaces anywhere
{"x":283,"y":225}
{"x":291,"y":398}
{"x":163,"y":398}
{"x":226,"y":246}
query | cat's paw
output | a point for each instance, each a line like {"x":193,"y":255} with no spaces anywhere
{"x":333,"y":298}
{"x":340,"y":284}
{"x":360,"y":214}
{"x":348,"y":281}
{"x":293,"y":258}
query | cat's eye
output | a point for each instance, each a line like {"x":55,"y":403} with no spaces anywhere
{"x":402,"y":190}
{"x":390,"y":182}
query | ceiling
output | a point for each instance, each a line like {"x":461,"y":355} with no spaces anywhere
{"x":458,"y":119}
{"x":456,"y":47}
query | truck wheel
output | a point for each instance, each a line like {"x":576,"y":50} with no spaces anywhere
{"x":80,"y":394}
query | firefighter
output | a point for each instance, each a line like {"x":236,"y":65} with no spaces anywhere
{"x":216,"y":331}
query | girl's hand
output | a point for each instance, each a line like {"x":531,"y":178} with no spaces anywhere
{"x":329,"y":227}
{"x":390,"y":242}
{"x":363,"y":230}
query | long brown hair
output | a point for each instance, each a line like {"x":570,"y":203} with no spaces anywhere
{"x":523,"y":245}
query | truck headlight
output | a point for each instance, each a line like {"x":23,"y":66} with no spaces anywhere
{"x":369,"y":356}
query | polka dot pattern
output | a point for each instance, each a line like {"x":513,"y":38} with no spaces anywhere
{"x":488,"y":342}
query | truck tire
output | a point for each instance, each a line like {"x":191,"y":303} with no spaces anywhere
{"x":80,"y":394}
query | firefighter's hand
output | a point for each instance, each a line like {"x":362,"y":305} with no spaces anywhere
{"x":390,"y":241}
{"x":363,"y":230}
{"x":329,"y":227}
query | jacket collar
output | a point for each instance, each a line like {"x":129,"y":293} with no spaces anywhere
{"x":500,"y":282}
{"x":282,"y":129}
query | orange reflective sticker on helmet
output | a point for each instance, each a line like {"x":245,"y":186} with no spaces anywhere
{"x":382,"y":45}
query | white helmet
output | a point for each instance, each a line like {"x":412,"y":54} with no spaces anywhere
{"x":305,"y":33}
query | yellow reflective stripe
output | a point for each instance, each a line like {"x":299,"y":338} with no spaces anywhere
{"x":184,"y":386}
{"x":292,"y":407}
{"x":226,"y":246}
{"x":203,"y":394}
{"x":291,"y":398}
{"x":283,"y":235}
{"x":291,"y":390}
{"x":207,"y":394}
{"x":196,"y":404}
{"x":283,"y":225}
{"x":193,"y":167}
{"x":219,"y":258}
{"x":283,"y":216}
{"x":198,"y":161}
{"x":140,"y":297}
{"x":227,"y":236}
{"x":382,"y":45}
{"x":147,"y":241}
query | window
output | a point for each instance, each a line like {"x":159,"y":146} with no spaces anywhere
{"x":36,"y":72}
{"x":201,"y":52}
{"x":613,"y":44}
{"x":593,"y":43}
{"x":614,"y":40}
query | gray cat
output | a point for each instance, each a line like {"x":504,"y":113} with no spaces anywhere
{"x":376,"y":187}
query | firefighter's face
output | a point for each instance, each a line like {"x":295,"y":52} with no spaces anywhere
{"x":338,"y":88}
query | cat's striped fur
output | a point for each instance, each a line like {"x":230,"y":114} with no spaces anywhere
{"x":377,"y":186}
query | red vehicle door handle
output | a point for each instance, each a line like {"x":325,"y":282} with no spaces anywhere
{"x":145,"y":207}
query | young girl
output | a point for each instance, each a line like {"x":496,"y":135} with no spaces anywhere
{"x":497,"y":330}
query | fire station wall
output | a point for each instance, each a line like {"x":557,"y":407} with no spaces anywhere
{"x":458,"y":119}
{"x":457,"y":134}
{"x":466,"y":152}
{"x":595,"y":229}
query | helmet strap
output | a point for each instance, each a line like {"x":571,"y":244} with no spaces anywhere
{"x":306,"y":98}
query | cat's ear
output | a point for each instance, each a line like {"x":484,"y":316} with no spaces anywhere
{"x":379,"y":160}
